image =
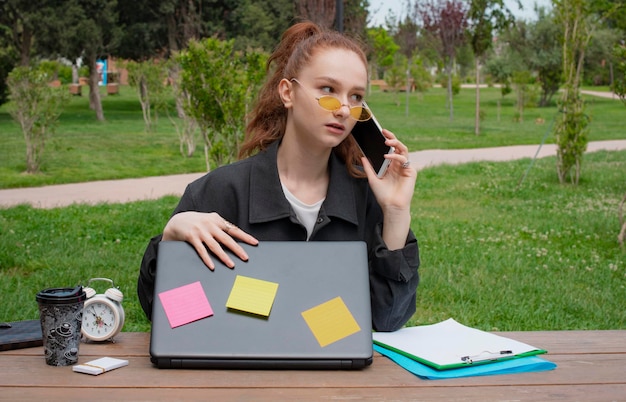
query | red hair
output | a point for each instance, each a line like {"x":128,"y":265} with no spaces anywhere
{"x":269,"y":116}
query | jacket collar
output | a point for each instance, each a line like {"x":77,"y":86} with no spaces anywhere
{"x":268,"y":203}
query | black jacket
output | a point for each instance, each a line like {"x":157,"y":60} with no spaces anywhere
{"x":248,"y":193}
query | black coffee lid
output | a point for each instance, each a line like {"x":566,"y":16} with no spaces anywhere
{"x":62,"y":295}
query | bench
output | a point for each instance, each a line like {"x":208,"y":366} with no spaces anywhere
{"x":591,"y":366}
{"x":383,"y":86}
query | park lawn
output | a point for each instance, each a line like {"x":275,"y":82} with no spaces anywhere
{"x":83,"y":149}
{"x":539,"y":257}
{"x":543,"y":256}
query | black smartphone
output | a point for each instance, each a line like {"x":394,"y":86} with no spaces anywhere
{"x":369,"y":136}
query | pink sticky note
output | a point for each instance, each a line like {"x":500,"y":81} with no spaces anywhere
{"x":185,"y":304}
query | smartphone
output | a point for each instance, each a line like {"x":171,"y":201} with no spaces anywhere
{"x":369,"y":136}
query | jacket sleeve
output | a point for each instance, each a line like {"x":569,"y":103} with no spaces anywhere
{"x":147,"y":272}
{"x":393,"y":282}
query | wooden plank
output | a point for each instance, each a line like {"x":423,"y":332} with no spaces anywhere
{"x":568,"y":342}
{"x":555,"y":342}
{"x":590,"y":367}
{"x":126,"y":344}
{"x":32,"y":371}
{"x":589,"y":393}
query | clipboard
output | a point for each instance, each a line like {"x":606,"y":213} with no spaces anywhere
{"x":450,"y":345}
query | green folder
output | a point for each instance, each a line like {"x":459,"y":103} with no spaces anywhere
{"x":450,"y":345}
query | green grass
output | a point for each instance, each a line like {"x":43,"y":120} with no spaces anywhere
{"x":83,"y":149}
{"x":65,"y":246}
{"x":541,"y":257}
{"x":428,"y":124}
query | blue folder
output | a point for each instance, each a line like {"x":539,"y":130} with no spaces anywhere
{"x":512,"y":366}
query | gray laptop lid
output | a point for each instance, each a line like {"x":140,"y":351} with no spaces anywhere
{"x":308,"y":275}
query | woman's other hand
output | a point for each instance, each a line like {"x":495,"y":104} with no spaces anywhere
{"x":208,"y":230}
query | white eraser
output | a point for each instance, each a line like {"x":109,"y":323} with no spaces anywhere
{"x":99,"y":366}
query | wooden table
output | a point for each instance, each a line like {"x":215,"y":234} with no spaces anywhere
{"x":591,"y":367}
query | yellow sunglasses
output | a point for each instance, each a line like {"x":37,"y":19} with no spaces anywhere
{"x":332,"y":104}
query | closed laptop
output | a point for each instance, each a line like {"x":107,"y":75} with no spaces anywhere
{"x":293,"y":305}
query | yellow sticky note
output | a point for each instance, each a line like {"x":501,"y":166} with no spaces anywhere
{"x":251,"y":295}
{"x":330,"y":321}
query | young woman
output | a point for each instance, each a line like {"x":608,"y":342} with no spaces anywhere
{"x":299,"y":178}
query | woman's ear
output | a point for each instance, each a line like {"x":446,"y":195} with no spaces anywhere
{"x":285,"y":90}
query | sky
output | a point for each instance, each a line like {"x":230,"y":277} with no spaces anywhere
{"x":380,"y":8}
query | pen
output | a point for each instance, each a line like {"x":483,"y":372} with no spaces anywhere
{"x":472,"y":359}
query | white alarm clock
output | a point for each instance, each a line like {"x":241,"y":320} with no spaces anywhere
{"x":103,"y":314}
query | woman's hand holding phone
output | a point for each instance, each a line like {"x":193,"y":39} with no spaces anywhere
{"x":372,"y":142}
{"x":392,"y":179}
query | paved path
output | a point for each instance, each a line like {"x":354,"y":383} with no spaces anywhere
{"x":119,"y":191}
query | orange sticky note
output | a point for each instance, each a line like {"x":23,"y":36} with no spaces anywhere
{"x":252,"y":295}
{"x":330,"y":321}
{"x":185,"y":304}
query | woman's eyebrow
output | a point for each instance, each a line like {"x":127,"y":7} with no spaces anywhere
{"x":336,"y":82}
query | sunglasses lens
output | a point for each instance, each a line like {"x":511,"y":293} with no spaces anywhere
{"x":332,"y":104}
{"x":360,"y":113}
{"x":329,"y":103}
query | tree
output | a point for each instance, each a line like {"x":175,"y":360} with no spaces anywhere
{"x":355,"y":18}
{"x":145,"y":30}
{"x":22,"y":18}
{"x":445,"y":20}
{"x":251,"y":23}
{"x":7,"y":63}
{"x":221,"y":83}
{"x":571,"y":129}
{"x":18,"y":21}
{"x":164,"y":27}
{"x":395,"y":76}
{"x":36,"y":107}
{"x":619,"y":81}
{"x":406,"y":37}
{"x":516,"y":52}
{"x":148,"y":78}
{"x":86,"y":29}
{"x":485,"y":16}
{"x":600,"y":60}
{"x":613,"y":12}
{"x":382,"y":49}
{"x":546,"y":57}
{"x":321,"y":12}
{"x":185,"y":125}
{"x":422,"y":79}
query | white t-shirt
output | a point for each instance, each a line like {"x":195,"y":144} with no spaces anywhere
{"x":306,"y":213}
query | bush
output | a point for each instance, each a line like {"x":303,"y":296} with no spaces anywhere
{"x":36,"y":107}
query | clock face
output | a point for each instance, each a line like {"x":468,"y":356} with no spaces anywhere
{"x":100,"y":320}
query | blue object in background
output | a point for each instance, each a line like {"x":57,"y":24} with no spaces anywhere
{"x":101,"y":65}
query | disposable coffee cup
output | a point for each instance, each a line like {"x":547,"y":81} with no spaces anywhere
{"x":61,"y":315}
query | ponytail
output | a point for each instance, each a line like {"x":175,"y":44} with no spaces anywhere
{"x":269,"y":116}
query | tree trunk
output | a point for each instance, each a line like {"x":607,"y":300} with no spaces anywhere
{"x":408,"y":90}
{"x":95,"y":102}
{"x":450,"y":105}
{"x":171,"y":34}
{"x":174,"y":74}
{"x":27,"y":40}
{"x":144,"y":99}
{"x":477,"y":116}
